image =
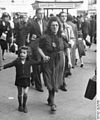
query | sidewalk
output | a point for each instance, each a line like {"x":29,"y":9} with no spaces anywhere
{"x":71,"y":105}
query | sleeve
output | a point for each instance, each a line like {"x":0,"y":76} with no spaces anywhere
{"x":1,"y":28}
{"x":13,"y":63}
{"x":9,"y":34}
{"x":66,"y":45}
{"x":89,"y":28}
{"x":71,"y":33}
{"x":45,"y":44}
{"x":64,"y":36}
{"x":28,"y":27}
{"x":31,"y":31}
{"x":34,"y":62}
{"x":42,"y":42}
{"x":72,"y":37}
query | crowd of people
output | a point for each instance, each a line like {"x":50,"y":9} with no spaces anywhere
{"x":52,"y":47}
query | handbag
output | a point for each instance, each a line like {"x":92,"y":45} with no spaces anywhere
{"x":87,"y":40}
{"x":90,"y":92}
{"x":3,"y":36}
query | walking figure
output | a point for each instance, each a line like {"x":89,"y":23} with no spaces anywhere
{"x":23,"y":73}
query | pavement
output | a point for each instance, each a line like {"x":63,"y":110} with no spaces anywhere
{"x":71,"y":105}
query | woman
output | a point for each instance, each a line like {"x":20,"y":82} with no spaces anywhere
{"x":81,"y":48}
{"x":51,"y":48}
{"x":86,"y":30}
{"x":5,"y":32}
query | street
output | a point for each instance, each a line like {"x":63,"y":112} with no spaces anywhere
{"x":71,"y":105}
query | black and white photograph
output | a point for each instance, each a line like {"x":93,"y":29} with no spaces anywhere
{"x":49,"y":60}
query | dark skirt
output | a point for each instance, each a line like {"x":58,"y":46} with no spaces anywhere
{"x":22,"y":82}
{"x":53,"y":71}
{"x":81,"y":48}
{"x":3,"y":44}
{"x":9,"y":40}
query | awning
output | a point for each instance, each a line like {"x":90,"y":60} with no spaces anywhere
{"x":57,"y":5}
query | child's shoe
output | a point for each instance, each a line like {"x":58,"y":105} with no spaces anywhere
{"x":20,"y":108}
{"x":53,"y":107}
{"x":25,"y":110}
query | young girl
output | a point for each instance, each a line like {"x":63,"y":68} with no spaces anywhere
{"x":22,"y":65}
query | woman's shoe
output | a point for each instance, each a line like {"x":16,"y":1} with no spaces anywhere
{"x":81,"y":65}
{"x":49,"y":102}
{"x":63,"y":88}
{"x":53,"y":107}
{"x":70,"y":73}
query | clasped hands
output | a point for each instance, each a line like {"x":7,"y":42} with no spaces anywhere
{"x":46,"y":58}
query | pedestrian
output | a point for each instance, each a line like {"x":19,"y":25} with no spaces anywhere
{"x":86,"y":30}
{"x":67,"y":33}
{"x":33,"y":47}
{"x":51,"y":48}
{"x":22,"y":65}
{"x":21,"y":31}
{"x":81,"y":48}
{"x":36,"y":29}
{"x":75,"y":31}
{"x":92,"y":28}
{"x":5,"y":32}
